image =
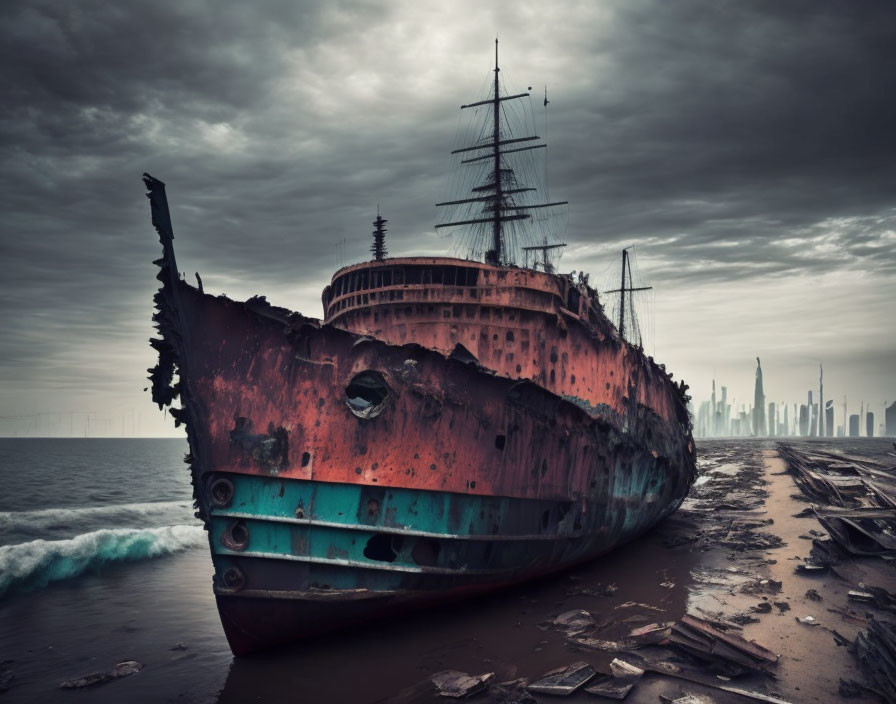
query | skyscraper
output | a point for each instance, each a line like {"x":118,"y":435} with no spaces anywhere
{"x":854,"y":426}
{"x":758,"y":403}
{"x":821,"y":409}
{"x":829,"y":419}
{"x":811,"y":417}
{"x":890,"y":419}
{"x":869,"y":424}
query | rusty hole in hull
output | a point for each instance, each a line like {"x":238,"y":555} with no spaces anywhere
{"x":221,"y":492}
{"x":500,"y":441}
{"x":426,"y":552}
{"x":382,"y":548}
{"x":306,"y":458}
{"x":366,"y":394}
{"x":236,"y":537}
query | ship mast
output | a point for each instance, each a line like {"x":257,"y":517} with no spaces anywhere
{"x":498,"y":206}
{"x":626,"y":266}
{"x":545,"y":260}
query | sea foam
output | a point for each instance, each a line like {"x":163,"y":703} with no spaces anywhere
{"x":37,"y":563}
{"x":50,"y":517}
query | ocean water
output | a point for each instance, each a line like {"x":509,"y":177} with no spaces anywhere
{"x":102,"y":560}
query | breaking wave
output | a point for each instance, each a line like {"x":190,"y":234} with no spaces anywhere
{"x":37,"y":563}
{"x":42,"y":523}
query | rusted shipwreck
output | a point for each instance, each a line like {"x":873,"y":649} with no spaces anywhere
{"x":451,"y":426}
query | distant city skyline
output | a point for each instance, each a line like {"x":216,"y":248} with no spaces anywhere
{"x":768,"y":415}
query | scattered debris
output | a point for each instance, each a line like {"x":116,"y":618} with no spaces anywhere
{"x":698,"y":637}
{"x":850,"y":689}
{"x":458,"y":685}
{"x":850,"y":615}
{"x":512,"y":692}
{"x":122,"y":669}
{"x":875,"y":648}
{"x":782,"y":606}
{"x":623,"y":676}
{"x":564,"y":680}
{"x":652,"y":633}
{"x":763,"y":607}
{"x":688,"y":698}
{"x":864,"y":597}
{"x":606,"y":646}
{"x":576,"y":620}
{"x":179,"y":646}
{"x":742,"y":619}
{"x":674,"y":669}
{"x":813,"y":595}
{"x":630,"y":604}
{"x":839,"y":638}
{"x":860,"y":498}
{"x":808,"y":620}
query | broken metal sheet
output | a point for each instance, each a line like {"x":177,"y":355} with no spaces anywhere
{"x":619,"y":683}
{"x":861,"y":536}
{"x":651,"y":633}
{"x":875,"y":648}
{"x":606,"y":646}
{"x":457,"y":685}
{"x":122,"y":669}
{"x":681,"y":671}
{"x":575,"y":620}
{"x":564,"y":680}
{"x":807,"y":620}
{"x":689,"y":698}
{"x":702,"y":639}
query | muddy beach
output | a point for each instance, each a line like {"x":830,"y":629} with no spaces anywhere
{"x":743,"y":588}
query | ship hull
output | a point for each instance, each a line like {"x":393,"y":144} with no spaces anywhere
{"x":342,"y":478}
{"x":456,"y":481}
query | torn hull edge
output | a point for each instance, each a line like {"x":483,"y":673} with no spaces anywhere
{"x":343,"y":479}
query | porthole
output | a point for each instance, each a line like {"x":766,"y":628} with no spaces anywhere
{"x":366,"y":394}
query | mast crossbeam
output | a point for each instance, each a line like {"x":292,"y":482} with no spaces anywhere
{"x":492,"y":100}
{"x":477,"y":221}
{"x":502,"y":153}
{"x":482,"y":198}
{"x":489,"y":145}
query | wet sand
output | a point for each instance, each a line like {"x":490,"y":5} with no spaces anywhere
{"x":709,"y":559}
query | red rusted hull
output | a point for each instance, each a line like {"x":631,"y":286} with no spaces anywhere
{"x":343,"y":477}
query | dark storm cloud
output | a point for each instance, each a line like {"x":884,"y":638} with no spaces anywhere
{"x":730,"y":140}
{"x":738,"y":122}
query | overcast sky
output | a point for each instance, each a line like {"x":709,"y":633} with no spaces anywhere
{"x":747,"y":149}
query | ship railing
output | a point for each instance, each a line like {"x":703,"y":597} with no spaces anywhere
{"x":532,"y":298}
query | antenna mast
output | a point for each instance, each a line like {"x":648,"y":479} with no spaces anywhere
{"x":379,"y":237}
